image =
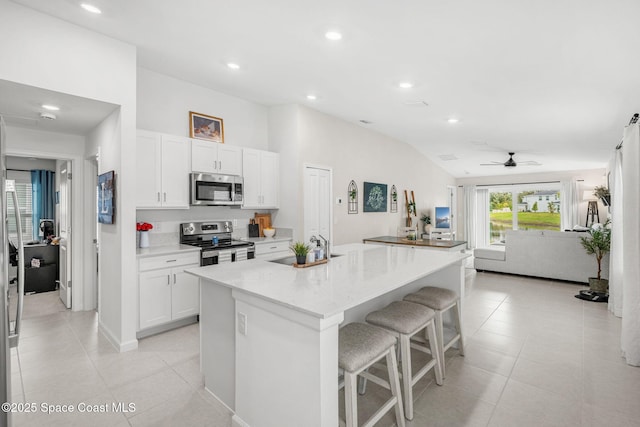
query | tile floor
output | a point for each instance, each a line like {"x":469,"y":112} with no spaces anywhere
{"x":536,"y":356}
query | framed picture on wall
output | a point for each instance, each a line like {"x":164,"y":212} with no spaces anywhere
{"x":375,"y":197}
{"x":205,"y":127}
{"x":107,"y":198}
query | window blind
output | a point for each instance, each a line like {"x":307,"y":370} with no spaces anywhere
{"x":23,"y":191}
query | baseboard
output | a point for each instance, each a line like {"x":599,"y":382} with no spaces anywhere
{"x":166,"y":327}
{"x":236,"y":421}
{"x":212,"y":394}
{"x":120,"y":346}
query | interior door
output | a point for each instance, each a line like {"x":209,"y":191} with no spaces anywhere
{"x":317,"y":202}
{"x":65,"y":234}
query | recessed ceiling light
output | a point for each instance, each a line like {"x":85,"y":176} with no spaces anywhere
{"x":311,"y":97}
{"x":453,"y":120}
{"x":233,"y":66}
{"x":333,"y":35}
{"x":50,"y":107}
{"x":405,"y":85}
{"x":90,"y":8}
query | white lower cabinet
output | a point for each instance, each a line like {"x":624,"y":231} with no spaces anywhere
{"x":273,"y":249}
{"x":165,"y":292}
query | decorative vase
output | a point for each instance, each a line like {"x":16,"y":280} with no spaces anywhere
{"x":427,"y":228}
{"x":598,"y":285}
{"x":301,"y":259}
{"x":144,"y":239}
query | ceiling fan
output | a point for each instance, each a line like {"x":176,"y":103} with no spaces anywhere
{"x":510,"y":163}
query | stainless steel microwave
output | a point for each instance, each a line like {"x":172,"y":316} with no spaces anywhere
{"x":215,"y":189}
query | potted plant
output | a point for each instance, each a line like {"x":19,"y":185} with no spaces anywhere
{"x":300,"y":249}
{"x":427,"y":222}
{"x":603,"y":194}
{"x":598,"y":243}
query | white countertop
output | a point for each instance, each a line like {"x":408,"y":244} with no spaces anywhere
{"x":362,"y":273}
{"x":165,"y":250}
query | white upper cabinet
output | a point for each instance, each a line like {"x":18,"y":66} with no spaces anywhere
{"x":261,"y":179}
{"x":163,"y":166}
{"x":213,"y":157}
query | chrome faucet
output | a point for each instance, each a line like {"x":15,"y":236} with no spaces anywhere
{"x":327,"y":251}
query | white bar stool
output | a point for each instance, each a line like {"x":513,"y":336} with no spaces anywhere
{"x":441,"y":300}
{"x":406,"y":319}
{"x":360,"y":346}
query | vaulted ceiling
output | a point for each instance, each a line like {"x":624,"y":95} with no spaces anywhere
{"x":552,"y":81}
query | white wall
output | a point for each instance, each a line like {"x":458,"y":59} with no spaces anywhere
{"x":283,"y":138}
{"x":49,"y":53}
{"x":31,"y":142}
{"x":588,"y":179}
{"x":353,"y":152}
{"x":28,"y":163}
{"x":164,"y":103}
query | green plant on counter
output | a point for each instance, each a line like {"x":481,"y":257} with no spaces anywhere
{"x":299,"y":249}
{"x":425,"y":218}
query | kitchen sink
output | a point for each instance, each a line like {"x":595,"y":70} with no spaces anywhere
{"x":290,"y":260}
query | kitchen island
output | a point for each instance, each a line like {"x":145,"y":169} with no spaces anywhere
{"x":269,"y":332}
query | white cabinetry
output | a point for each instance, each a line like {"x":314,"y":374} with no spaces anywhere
{"x":166,"y":292}
{"x":261,"y":179}
{"x":272,"y":249}
{"x":163,"y":166}
{"x":213,"y":157}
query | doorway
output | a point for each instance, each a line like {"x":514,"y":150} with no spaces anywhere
{"x":64,"y":221}
{"x":317,"y":202}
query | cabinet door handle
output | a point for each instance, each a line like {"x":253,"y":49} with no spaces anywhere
{"x":273,"y":247}
{"x":220,"y":164}
{"x":171,"y":260}
{"x":215,"y":164}
{"x":168,"y":279}
{"x":174,"y":278}
{"x":165,"y":196}
{"x":158,"y":196}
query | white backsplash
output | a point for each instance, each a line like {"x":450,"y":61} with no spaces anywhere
{"x":168,"y":232}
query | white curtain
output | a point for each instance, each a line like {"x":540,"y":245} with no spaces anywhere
{"x":470,"y":215}
{"x":630,"y":340}
{"x":482,"y":217}
{"x":568,"y":204}
{"x":616,"y":270}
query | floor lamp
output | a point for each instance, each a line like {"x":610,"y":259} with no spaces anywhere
{"x":592,"y":207}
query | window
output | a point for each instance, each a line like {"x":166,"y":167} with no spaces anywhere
{"x":23,"y":191}
{"x":537,"y":207}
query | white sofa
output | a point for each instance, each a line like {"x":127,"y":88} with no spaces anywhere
{"x":550,"y":254}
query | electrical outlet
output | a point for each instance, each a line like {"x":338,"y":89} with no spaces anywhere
{"x":242,"y":323}
{"x":339,"y":201}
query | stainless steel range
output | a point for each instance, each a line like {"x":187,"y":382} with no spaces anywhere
{"x":214,"y":237}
